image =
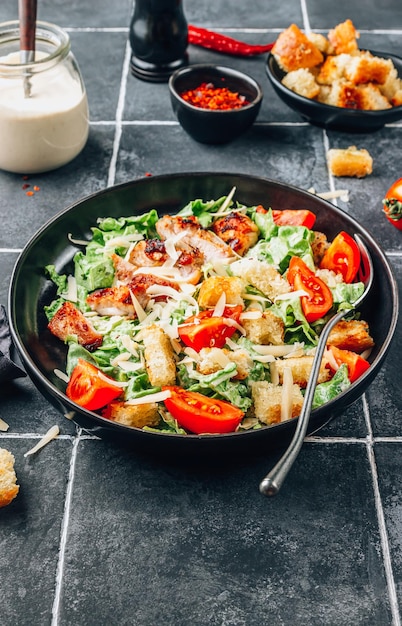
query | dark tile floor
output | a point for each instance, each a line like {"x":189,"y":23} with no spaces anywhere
{"x":99,"y":535}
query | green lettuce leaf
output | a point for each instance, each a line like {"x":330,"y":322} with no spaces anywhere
{"x":286,"y":242}
{"x":325,"y":392}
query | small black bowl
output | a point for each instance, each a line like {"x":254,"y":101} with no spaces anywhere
{"x":331,"y":117}
{"x":214,"y":126}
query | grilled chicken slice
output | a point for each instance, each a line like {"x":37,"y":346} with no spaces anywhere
{"x":140,"y":284}
{"x":188,"y":264}
{"x":237,"y":230}
{"x":118,"y":300}
{"x":148,"y":253}
{"x":209,"y":244}
{"x":112,"y":301}
{"x":68,"y":321}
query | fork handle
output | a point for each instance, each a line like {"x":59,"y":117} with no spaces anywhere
{"x":27,"y":16}
{"x":271,"y":484}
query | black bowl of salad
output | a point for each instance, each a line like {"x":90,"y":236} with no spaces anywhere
{"x":178,"y":314}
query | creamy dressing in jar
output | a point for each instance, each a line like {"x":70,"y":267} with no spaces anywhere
{"x":49,"y":128}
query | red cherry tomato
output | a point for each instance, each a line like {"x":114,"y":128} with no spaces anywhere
{"x":294,"y":217}
{"x":199,"y":414}
{"x":355,"y":363}
{"x":392,"y":204}
{"x":205,"y":331}
{"x":290,"y":217}
{"x":318,"y":300}
{"x":343,"y":257}
{"x":90,"y":388}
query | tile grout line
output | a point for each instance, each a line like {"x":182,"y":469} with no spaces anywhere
{"x":386,"y":553}
{"x":331,"y":180}
{"x":63,"y":534}
{"x":236,"y":29}
{"x":119,"y":116}
{"x":305,"y":17}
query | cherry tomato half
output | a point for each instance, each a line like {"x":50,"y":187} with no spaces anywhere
{"x":392,"y":204}
{"x":294,"y":217}
{"x":90,"y":388}
{"x":343,"y":257}
{"x":319,"y":299}
{"x":205,"y":331}
{"x":290,"y":217}
{"x":199,"y":414}
{"x":355,"y":363}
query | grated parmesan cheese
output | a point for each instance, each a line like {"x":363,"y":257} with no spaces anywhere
{"x":291,"y":294}
{"x":137,"y":307}
{"x":251,"y":315}
{"x":343,"y":194}
{"x":71,"y":293}
{"x":62,"y":375}
{"x":150,"y":398}
{"x":220,"y":306}
{"x":287,"y":392}
{"x":278,"y":351}
{"x":3,"y":426}
{"x":273,"y":370}
{"x":51,"y":434}
{"x":123,"y":241}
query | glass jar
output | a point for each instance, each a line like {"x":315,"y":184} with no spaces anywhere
{"x":44,"y":120}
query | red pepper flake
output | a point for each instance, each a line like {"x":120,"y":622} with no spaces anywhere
{"x":25,"y":177}
{"x":30,"y":193}
{"x":36,"y":188}
{"x":148,"y":174}
{"x":206,"y":96}
{"x":25,"y":186}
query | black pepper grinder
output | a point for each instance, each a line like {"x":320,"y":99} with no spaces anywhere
{"x":158,"y":39}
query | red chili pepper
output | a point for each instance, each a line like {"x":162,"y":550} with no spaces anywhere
{"x":206,"y":96}
{"x":222,"y":43}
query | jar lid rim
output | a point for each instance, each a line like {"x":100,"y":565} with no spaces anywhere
{"x":45,"y":31}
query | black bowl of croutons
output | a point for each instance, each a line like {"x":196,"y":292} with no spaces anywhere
{"x":162,"y":313}
{"x":333,"y":83}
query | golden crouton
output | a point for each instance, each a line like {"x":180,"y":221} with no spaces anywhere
{"x":349,"y":96}
{"x":301,"y":368}
{"x":349,"y":162}
{"x":293,"y":50}
{"x":159,"y":356}
{"x":367,"y":68}
{"x":136,"y":416}
{"x":351,"y":335}
{"x":302,"y":82}
{"x":268,"y":329}
{"x":396,"y":99}
{"x":215,"y":359}
{"x":262,"y":276}
{"x":267,"y":400}
{"x":8,"y":479}
{"x":392,"y":88}
{"x":333,"y":69}
{"x":343,"y":37}
{"x":213,"y":287}
{"x":321,"y":43}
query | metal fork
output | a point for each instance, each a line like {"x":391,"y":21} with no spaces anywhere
{"x":272,"y":482}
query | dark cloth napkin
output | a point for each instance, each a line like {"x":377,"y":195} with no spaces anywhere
{"x":8,"y":369}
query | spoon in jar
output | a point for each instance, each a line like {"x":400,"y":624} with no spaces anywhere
{"x":27,"y":16}
{"x":272,"y":482}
